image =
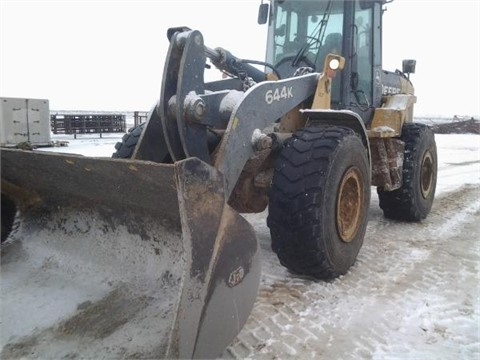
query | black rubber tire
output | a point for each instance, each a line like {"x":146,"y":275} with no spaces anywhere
{"x":303,"y":201}
{"x":413,"y":201}
{"x":125,"y":148}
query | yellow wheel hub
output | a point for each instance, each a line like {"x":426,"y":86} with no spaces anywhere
{"x":349,"y":204}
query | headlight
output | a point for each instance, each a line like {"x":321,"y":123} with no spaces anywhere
{"x":334,"y":64}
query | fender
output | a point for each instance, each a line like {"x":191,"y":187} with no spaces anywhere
{"x":345,"y":118}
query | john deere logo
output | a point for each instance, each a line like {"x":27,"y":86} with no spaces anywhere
{"x":236,"y":276}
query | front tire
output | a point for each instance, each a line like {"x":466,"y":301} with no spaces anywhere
{"x":413,"y":201}
{"x":319,"y":200}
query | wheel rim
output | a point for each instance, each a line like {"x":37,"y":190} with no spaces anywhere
{"x":426,"y":175}
{"x":349,"y":205}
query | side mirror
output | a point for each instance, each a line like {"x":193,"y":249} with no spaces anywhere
{"x":263,"y":14}
{"x":408,"y":66}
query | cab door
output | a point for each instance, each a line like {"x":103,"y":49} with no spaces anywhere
{"x":364,"y":85}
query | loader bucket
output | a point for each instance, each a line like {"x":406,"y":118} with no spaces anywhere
{"x":115,"y":258}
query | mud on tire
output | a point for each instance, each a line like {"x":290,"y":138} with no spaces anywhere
{"x":318,"y":202}
{"x":413,"y":201}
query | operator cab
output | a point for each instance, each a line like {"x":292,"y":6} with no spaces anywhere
{"x":302,"y":32}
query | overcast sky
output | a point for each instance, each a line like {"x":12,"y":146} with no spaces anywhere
{"x":109,"y":55}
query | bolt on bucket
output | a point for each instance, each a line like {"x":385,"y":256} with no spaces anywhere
{"x":120,"y":258}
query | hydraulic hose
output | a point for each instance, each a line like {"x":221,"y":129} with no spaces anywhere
{"x":224,"y":60}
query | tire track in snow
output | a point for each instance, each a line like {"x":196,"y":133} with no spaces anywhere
{"x":400,"y":300}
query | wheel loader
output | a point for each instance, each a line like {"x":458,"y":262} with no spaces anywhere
{"x":147,"y":254}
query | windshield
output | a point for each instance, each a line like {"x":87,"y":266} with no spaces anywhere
{"x":305,"y":31}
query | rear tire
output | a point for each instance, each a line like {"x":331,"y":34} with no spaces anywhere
{"x":413,"y":201}
{"x":319,"y":200}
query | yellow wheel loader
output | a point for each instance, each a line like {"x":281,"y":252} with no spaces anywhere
{"x":146,"y":254}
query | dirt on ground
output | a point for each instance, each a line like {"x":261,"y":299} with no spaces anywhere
{"x":471,"y":126}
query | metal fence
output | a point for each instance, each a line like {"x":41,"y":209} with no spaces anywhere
{"x":139,"y":117}
{"x":87,"y":123}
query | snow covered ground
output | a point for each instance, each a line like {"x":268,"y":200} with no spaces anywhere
{"x":414,"y":292}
